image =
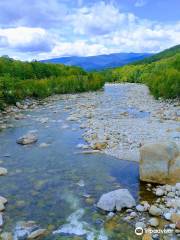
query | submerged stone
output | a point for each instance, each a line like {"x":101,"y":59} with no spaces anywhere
{"x":3,"y":171}
{"x":29,"y":138}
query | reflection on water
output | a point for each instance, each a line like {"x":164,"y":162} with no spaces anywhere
{"x":42,"y":182}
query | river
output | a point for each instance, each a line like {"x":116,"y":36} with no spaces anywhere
{"x":58,"y":185}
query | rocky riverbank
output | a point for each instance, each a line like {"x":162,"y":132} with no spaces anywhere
{"x":117,"y":123}
{"x":159,"y":219}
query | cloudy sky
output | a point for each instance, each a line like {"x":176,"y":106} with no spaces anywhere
{"x":41,"y":29}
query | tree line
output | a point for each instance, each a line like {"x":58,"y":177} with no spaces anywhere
{"x":162,"y":76}
{"x":19,"y":80}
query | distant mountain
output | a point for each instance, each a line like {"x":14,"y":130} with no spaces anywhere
{"x":170,"y":52}
{"x":101,"y":61}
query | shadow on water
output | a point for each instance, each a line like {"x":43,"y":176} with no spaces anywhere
{"x":43,"y":184}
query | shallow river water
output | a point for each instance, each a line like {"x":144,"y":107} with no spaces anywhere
{"x":58,"y":186}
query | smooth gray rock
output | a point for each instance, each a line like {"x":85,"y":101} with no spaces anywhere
{"x":159,"y":162}
{"x":116,"y":200}
{"x":29,"y":138}
{"x":155,"y":211}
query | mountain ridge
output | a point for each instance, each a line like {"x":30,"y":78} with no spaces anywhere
{"x":99,"y":62}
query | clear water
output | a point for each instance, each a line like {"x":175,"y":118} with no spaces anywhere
{"x":43,"y":184}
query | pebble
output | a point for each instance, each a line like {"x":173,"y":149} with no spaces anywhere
{"x":133,"y":214}
{"x":154,"y":222}
{"x":140,"y":208}
{"x":167,"y":216}
{"x":175,"y":217}
{"x":140,"y":225}
{"x":171,"y":194}
{"x":159,"y":192}
{"x":155,"y":211}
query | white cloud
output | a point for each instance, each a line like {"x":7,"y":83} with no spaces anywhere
{"x":114,"y":31}
{"x":27,"y":39}
{"x":98,"y":29}
{"x":99,"y":19}
{"x":76,"y":48}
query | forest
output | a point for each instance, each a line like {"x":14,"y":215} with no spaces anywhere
{"x":19,"y":80}
{"x":161,"y":73}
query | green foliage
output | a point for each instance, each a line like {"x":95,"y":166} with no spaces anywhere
{"x":160,"y":56}
{"x":162,"y":77}
{"x":19,"y":80}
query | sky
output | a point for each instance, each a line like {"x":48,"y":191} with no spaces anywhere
{"x":42,"y":29}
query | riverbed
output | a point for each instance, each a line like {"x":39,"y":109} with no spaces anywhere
{"x":56,"y":183}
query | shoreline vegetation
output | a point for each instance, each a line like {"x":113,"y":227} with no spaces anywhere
{"x":160,"y":72}
{"x":20,"y":80}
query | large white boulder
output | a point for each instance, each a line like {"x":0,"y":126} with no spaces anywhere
{"x":116,"y":200}
{"x":159,"y":162}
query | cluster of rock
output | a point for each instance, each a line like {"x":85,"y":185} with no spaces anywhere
{"x":16,"y":112}
{"x":165,"y":209}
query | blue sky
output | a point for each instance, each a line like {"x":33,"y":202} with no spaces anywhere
{"x":41,"y":29}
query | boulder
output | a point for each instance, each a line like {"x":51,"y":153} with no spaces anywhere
{"x":116,"y":200}
{"x":160,"y":163}
{"x":29,"y":138}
